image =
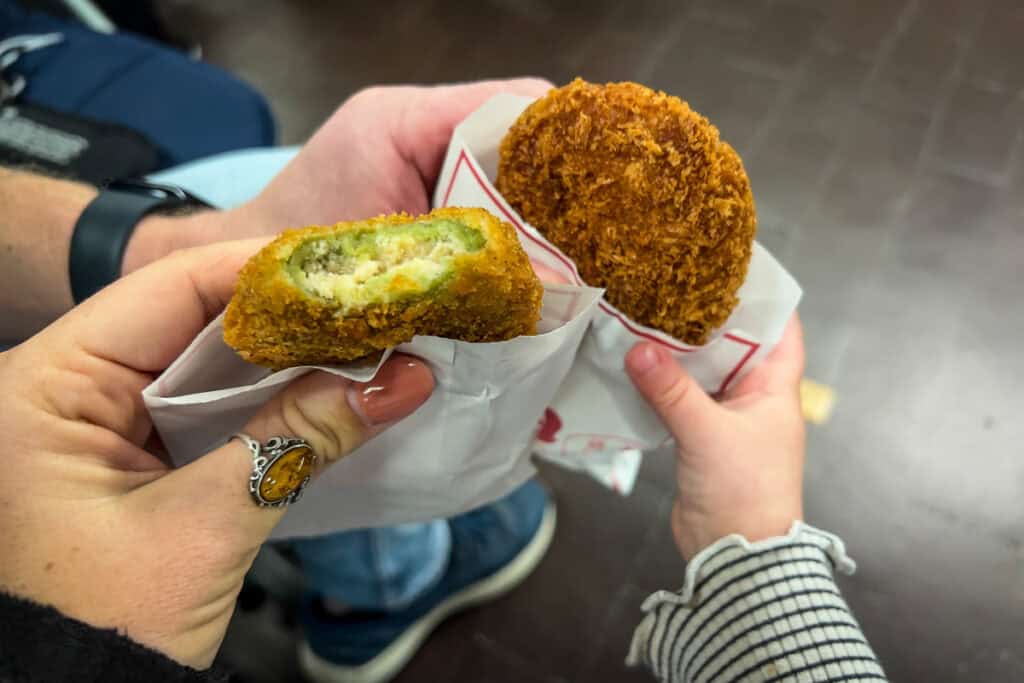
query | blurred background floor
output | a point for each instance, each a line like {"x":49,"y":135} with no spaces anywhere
{"x":884,"y":143}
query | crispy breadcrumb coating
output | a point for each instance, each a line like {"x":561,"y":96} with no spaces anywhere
{"x":330,"y":294}
{"x":641,"y":193}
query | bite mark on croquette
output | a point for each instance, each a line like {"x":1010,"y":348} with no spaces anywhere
{"x":332,"y":294}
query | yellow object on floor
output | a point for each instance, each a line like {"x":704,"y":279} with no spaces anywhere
{"x":816,"y":401}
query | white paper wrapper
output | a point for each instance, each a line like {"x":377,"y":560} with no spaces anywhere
{"x":467,"y":445}
{"x":597,"y":422}
{"x":470,"y":443}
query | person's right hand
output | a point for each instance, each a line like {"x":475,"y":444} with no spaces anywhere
{"x":739,"y":461}
{"x":103,"y":529}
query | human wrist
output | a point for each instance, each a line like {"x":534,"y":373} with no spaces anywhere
{"x":160,"y":234}
{"x":38,"y":217}
{"x":695,"y":530}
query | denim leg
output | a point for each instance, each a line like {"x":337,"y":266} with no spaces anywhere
{"x":379,"y":569}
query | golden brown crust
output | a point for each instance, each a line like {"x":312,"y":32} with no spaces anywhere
{"x":493,"y":296}
{"x":641,"y":193}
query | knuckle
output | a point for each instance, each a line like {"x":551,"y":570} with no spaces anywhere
{"x":368,"y":97}
{"x":328,"y":432}
{"x":673,"y":397}
{"x":362,"y":95}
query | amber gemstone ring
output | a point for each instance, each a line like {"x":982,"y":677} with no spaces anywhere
{"x":281,"y":468}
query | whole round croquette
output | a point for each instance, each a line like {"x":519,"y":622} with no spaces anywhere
{"x":641,"y":193}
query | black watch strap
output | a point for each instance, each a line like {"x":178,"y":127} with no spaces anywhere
{"x":104,"y":228}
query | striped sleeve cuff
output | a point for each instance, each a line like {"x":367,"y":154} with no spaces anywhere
{"x":768,"y":611}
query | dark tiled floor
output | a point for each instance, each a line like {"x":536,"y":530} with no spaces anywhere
{"x":884,"y":143}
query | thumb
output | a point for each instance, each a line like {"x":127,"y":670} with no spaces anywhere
{"x":334,"y":415}
{"x":682,"y":404}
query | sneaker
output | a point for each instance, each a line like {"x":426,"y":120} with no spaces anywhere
{"x":493,"y":550}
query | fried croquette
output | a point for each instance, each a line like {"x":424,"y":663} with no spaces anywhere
{"x":330,"y":294}
{"x":641,"y":193}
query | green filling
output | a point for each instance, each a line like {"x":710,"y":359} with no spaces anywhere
{"x":360,"y":267}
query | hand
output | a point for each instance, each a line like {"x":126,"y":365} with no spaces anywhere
{"x":99,"y":527}
{"x":739,"y":461}
{"x":380,"y":152}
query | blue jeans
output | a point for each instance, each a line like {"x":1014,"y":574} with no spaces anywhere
{"x":376,"y":568}
{"x":368,"y":569}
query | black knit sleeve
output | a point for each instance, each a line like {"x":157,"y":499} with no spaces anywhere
{"x":39,"y":644}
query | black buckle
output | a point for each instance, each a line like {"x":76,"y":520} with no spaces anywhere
{"x":9,"y":90}
{"x":155,"y":190}
{"x":11,"y":49}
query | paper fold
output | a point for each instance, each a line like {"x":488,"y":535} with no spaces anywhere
{"x":467,"y":445}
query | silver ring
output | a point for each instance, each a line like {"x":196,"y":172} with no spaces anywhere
{"x":282,"y":467}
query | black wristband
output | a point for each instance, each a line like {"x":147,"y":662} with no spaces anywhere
{"x":104,"y":228}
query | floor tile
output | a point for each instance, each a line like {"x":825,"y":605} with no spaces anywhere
{"x":980,"y":133}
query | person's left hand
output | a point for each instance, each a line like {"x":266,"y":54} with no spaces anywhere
{"x":98,"y":526}
{"x":740,"y":460}
{"x":380,"y":152}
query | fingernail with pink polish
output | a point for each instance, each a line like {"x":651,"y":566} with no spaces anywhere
{"x":644,"y":359}
{"x":401,"y":386}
